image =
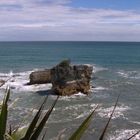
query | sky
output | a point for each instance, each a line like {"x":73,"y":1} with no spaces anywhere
{"x":69,"y":20}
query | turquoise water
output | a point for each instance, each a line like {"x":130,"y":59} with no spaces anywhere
{"x":29,"y":55}
{"x":116,"y":69}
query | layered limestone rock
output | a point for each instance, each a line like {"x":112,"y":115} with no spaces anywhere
{"x":40,"y":77}
{"x":66,"y":79}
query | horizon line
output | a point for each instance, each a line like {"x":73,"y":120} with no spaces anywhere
{"x":66,"y":41}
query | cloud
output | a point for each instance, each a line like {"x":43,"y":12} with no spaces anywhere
{"x":54,"y":2}
{"x":56,"y":20}
{"x":8,"y":1}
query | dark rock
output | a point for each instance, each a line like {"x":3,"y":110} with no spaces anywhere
{"x":83,"y":71}
{"x":66,"y":79}
{"x":72,"y":87}
{"x":40,"y":77}
{"x":62,"y":73}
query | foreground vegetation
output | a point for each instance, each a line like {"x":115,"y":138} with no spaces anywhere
{"x":36,"y":126}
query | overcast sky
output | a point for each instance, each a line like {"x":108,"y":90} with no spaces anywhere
{"x":89,"y":20}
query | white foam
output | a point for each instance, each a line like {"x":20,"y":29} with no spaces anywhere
{"x":98,"y":68}
{"x":129,"y":74}
{"x":97,"y":89}
{"x":80,"y":94}
{"x":136,"y":122}
{"x":18,"y":81}
{"x":82,"y":115}
{"x":124,"y":134}
{"x":89,"y":65}
{"x":123,"y":74}
{"x":74,"y":96}
{"x":119,"y":112}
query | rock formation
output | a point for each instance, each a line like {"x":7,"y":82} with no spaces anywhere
{"x":40,"y":77}
{"x":66,"y":79}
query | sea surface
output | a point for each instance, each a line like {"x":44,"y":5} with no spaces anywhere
{"x":116,"y":70}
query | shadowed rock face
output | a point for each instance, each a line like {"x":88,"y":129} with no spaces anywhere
{"x":40,"y":77}
{"x":62,"y":73}
{"x":68,"y":79}
{"x":83,"y":71}
{"x":65,"y":78}
{"x":73,"y":87}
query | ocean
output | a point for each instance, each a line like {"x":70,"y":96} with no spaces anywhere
{"x":116,"y":70}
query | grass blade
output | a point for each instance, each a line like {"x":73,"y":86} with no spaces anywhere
{"x":105,"y":129}
{"x":34,"y":122}
{"x":79,"y":132}
{"x":134,"y":135}
{"x":10,"y":130}
{"x":3,"y":115}
{"x":8,"y":137}
{"x":41,"y":125}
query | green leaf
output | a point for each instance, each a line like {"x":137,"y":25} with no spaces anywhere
{"x":3,"y":114}
{"x":8,"y":137}
{"x":80,"y":131}
{"x":41,"y":125}
{"x":32,"y":126}
{"x":19,"y":133}
{"x":105,"y":129}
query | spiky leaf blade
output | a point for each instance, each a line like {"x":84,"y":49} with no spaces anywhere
{"x":80,"y":131}
{"x":41,"y":125}
{"x":134,"y":135}
{"x":32,"y":125}
{"x":19,"y":133}
{"x":3,"y":114}
{"x":105,"y":129}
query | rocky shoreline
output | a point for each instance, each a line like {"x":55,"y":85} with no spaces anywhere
{"x":66,"y":79}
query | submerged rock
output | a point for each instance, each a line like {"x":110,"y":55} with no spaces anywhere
{"x":66,"y":79}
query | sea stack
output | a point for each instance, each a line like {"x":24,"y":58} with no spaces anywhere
{"x":40,"y":77}
{"x":66,"y":79}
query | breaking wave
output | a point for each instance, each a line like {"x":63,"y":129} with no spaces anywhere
{"x":124,"y":134}
{"x":18,"y":81}
{"x":129,"y":74}
{"x":119,"y":112}
{"x":98,"y":68}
